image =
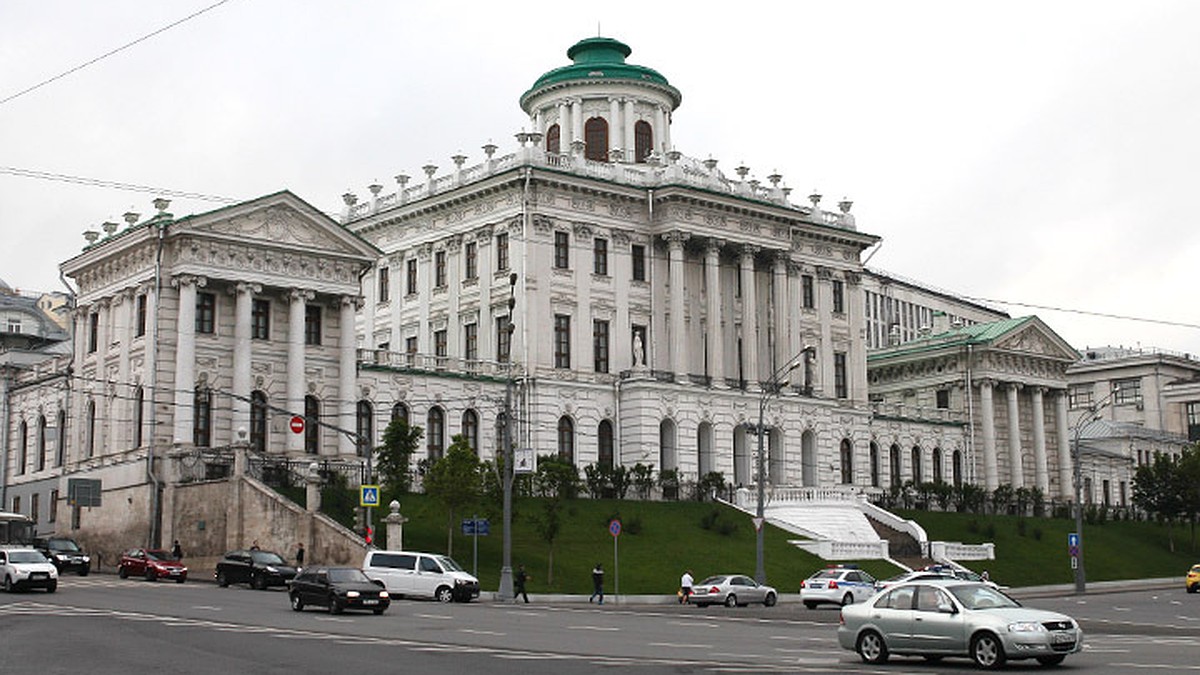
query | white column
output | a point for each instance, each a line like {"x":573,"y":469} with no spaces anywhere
{"x":779,"y":309}
{"x":666,"y":129}
{"x":630,"y":122}
{"x":564,"y":126}
{"x":1041,"y":477}
{"x":679,"y":355}
{"x":1014,"y":437}
{"x":79,"y":403}
{"x":347,"y":375}
{"x":185,"y":358}
{"x":1066,"y":479}
{"x":577,"y":120}
{"x":988,"y":412}
{"x":749,"y":316}
{"x":243,"y":320}
{"x":396,"y":310}
{"x":152,"y":390}
{"x":298,"y":300}
{"x":824,"y":299}
{"x":712,"y":277}
{"x":660,"y":129}
{"x":614,"y":127}
{"x":123,"y":438}
{"x":856,"y":366}
{"x":103,"y":393}
{"x":370,"y":293}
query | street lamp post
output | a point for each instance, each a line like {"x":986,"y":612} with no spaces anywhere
{"x":1090,"y":415}
{"x":508,"y":454}
{"x":778,"y":380}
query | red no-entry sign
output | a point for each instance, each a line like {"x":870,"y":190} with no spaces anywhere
{"x":296,"y":424}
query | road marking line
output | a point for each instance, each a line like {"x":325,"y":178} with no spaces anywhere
{"x":694,"y":624}
{"x":1156,"y":666}
{"x":603,"y":628}
{"x":678,"y":645}
{"x":334,"y":619}
{"x":480,"y":632}
{"x":433,"y":616}
{"x":215,"y":609}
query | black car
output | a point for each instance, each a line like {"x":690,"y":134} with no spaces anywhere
{"x":337,"y":589}
{"x":65,"y":554}
{"x":258,"y":568}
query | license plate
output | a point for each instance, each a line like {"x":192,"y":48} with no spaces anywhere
{"x":1060,"y":638}
{"x":38,"y":575}
{"x":818,"y":586}
{"x":370,"y":602}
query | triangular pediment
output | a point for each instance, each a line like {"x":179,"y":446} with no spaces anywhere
{"x":283,"y":220}
{"x":1033,"y":336}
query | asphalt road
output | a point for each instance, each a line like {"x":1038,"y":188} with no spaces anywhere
{"x":104,"y":625}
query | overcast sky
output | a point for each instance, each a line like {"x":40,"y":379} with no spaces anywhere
{"x":1039,"y":153}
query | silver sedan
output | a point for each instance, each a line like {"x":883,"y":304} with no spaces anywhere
{"x":732,"y":590}
{"x":937,"y":618}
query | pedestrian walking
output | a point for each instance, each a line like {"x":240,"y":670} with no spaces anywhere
{"x":597,"y":584}
{"x":177,"y":551}
{"x":300,"y":554}
{"x":519,"y":584}
{"x":685,"y":587}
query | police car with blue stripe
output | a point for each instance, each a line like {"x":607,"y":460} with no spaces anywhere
{"x":837,"y":585}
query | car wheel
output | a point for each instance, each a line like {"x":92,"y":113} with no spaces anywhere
{"x":1192,"y":588}
{"x":150,"y":575}
{"x":731,"y":600}
{"x":83,"y":571}
{"x":8,"y":584}
{"x":444,"y":594}
{"x":259,"y":582}
{"x":871,"y":648}
{"x":847,"y":599}
{"x":297,"y":603}
{"x":222,"y":579}
{"x":987,"y":652}
{"x":1051,"y":660}
{"x":335,"y":606}
{"x":810,"y":604}
{"x":769,"y":601}
{"x":53,"y":586}
{"x":122,"y":572}
{"x":180,"y":580}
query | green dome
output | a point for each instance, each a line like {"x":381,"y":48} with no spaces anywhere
{"x":600,"y":58}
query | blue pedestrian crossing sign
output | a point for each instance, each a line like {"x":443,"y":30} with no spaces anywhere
{"x":368,"y":495}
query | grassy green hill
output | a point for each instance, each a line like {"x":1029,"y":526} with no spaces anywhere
{"x":661,"y":539}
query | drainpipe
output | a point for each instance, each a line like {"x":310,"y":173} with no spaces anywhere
{"x":72,"y":301}
{"x":527,"y":227}
{"x":155,"y":516}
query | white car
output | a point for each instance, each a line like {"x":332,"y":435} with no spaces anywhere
{"x":421,"y":575}
{"x":838,"y":585}
{"x":22,"y":568}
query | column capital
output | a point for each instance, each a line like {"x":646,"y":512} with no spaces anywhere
{"x":1014,"y":386}
{"x":748,"y":251}
{"x":779,"y":261}
{"x":354,"y":301}
{"x":1038,"y":390}
{"x":182,"y":280}
{"x":246,"y":287}
{"x":300,"y":295}
{"x":988,"y":382}
{"x":676,"y":238}
{"x":824,"y":273}
{"x":713,"y":245}
{"x":852,"y":278}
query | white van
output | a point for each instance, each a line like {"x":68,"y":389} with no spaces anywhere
{"x":421,"y":575}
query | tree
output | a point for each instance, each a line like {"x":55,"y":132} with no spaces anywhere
{"x":455,"y":481}
{"x":1158,"y":489}
{"x":556,"y":480}
{"x":394,"y":457}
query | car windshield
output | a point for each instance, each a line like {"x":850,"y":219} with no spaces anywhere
{"x":159,"y":555}
{"x":26,"y":557}
{"x":448,"y":564}
{"x":713,"y":581}
{"x":267,"y":558}
{"x":827,"y":574}
{"x":979,"y":596}
{"x":346,"y":574}
{"x":64,"y":545}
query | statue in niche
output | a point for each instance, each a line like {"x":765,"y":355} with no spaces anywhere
{"x":639,"y":354}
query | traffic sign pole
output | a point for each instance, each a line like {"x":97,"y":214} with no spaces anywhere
{"x":614,"y":528}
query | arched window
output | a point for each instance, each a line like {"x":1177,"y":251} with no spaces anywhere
{"x":894,"y":457}
{"x":937,"y":465}
{"x":643,"y":141}
{"x":23,"y":455}
{"x":400,"y":412}
{"x":566,"y":439}
{"x":60,"y":455}
{"x":202,"y":424}
{"x":956,"y":468}
{"x":91,"y":429}
{"x":436,"y":433}
{"x":667,"y":459}
{"x":312,"y":428}
{"x":604,"y":439}
{"x":41,"y":443}
{"x":847,"y":462}
{"x":916,"y":465}
{"x":365,"y":427}
{"x":258,"y":421}
{"x":595,"y":135}
{"x":874,"y":464}
{"x":553,"y":139}
{"x":139,"y":416}
{"x":470,"y":429}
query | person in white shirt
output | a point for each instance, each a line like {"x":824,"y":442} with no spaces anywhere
{"x":685,"y":586}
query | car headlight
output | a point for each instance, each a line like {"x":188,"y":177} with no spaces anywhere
{"x":383,"y":594}
{"x":1026,"y":627}
{"x":351,"y":594}
{"x":272,"y":570}
{"x":61,"y":557}
{"x":87,"y":558}
{"x":461,"y":582}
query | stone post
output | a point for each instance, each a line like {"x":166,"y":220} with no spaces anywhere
{"x":395,"y":527}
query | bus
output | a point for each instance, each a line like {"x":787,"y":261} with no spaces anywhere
{"x":15,"y":528}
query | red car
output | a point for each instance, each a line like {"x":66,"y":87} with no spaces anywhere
{"x":151,"y":564}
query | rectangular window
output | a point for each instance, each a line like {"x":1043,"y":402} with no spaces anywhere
{"x":503,"y":340}
{"x":471,"y":260}
{"x":52,"y":513}
{"x":600,"y":345}
{"x":206,"y":313}
{"x":202,"y":426}
{"x":260,"y":319}
{"x":93,"y":332}
{"x":141,"y":315}
{"x":840,"y":389}
{"x":410,"y":276}
{"x":385,"y":286}
{"x":638,"y":253}
{"x":439,"y":269}
{"x":502,"y":252}
{"x":562,"y":255}
{"x":471,"y":341}
{"x":1128,"y":390}
{"x":16,"y":504}
{"x":410,"y":348}
{"x":312,"y":325}
{"x":1192,"y":409}
{"x":808,"y":292}
{"x":562,"y":341}
{"x":1080,"y":396}
{"x":839,"y":297}
{"x":34,"y":503}
{"x":943,"y":399}
{"x":441,"y":347}
{"x":600,"y":253}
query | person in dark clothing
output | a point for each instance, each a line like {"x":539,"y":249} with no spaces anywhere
{"x":177,"y":551}
{"x":519,"y":584}
{"x":597,"y":584}
{"x":300,"y":554}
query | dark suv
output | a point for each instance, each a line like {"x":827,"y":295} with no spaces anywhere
{"x":258,"y":568}
{"x":65,"y":554}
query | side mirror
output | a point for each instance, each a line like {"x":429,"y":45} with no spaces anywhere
{"x":947,"y":608}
